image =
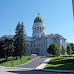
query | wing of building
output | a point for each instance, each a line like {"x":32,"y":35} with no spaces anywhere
{"x":39,"y":42}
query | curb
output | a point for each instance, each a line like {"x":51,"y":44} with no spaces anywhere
{"x":1,"y":66}
{"x":20,"y":68}
{"x":57,"y":71}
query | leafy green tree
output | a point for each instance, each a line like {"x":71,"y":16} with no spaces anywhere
{"x":63,"y":50}
{"x":69,"y":50}
{"x":6,"y":48}
{"x":54,"y":50}
{"x":20,"y":45}
{"x":50,"y":49}
{"x":57,"y":51}
{"x":72,"y":47}
{"x":2,"y":51}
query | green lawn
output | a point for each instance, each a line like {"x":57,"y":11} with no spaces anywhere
{"x":61,"y":63}
{"x":8,"y":63}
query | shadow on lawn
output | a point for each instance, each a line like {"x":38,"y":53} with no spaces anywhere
{"x":6,"y":60}
{"x":63,"y":67}
{"x":60,"y":61}
{"x":62,"y":64}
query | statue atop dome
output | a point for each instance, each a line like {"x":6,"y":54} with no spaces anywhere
{"x":39,"y":14}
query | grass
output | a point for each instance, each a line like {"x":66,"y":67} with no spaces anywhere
{"x":61,"y":63}
{"x":9,"y":63}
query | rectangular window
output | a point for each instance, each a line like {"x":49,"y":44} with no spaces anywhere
{"x":38,"y":29}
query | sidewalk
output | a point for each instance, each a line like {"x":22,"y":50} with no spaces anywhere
{"x":43,"y":64}
{"x":40,"y":67}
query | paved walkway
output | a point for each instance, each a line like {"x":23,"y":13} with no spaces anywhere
{"x":33,"y":64}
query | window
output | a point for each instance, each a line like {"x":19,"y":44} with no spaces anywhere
{"x":31,"y":45}
{"x":39,"y":44}
{"x":40,"y":29}
{"x":35,"y":29}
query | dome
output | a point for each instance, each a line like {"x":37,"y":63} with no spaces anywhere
{"x":38,"y":19}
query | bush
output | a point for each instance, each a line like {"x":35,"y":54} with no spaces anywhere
{"x":32,"y":57}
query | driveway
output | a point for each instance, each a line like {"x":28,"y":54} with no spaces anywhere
{"x":33,"y":64}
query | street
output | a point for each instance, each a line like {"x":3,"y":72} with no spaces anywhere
{"x":24,"y":71}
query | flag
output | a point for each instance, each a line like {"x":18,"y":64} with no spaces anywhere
{"x":73,"y":7}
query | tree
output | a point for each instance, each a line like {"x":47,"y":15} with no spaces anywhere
{"x":2,"y":51}
{"x":20,"y":45}
{"x":6,"y":48}
{"x":54,"y":50}
{"x":50,"y":49}
{"x":57,"y":51}
{"x":69,"y":50}
{"x":63,"y":50}
{"x":72,"y":47}
{"x":16,"y":41}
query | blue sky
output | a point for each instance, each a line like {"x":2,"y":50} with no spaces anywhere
{"x":57,"y":15}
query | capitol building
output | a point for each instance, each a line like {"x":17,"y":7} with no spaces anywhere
{"x":39,"y":42}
